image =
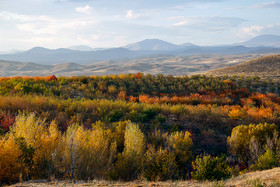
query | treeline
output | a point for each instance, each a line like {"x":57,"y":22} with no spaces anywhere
{"x":124,"y":86}
{"x":34,"y":149}
{"x":110,"y":86}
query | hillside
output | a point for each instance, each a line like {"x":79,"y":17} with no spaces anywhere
{"x":152,"y":65}
{"x":258,"y":178}
{"x":262,"y":66}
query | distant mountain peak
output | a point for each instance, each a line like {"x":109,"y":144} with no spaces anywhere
{"x":37,"y":50}
{"x":81,"y":48}
{"x":188,"y":44}
{"x":267,"y":40}
{"x":152,"y":44}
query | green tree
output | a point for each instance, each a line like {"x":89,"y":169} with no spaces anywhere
{"x":210,"y":168}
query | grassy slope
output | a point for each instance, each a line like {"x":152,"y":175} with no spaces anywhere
{"x":262,"y":66}
{"x":267,"y":177}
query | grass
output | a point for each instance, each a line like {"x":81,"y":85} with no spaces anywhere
{"x":266,"y":178}
{"x":266,"y":67}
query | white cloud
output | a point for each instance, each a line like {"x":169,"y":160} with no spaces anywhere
{"x":215,"y":23}
{"x":10,"y":16}
{"x":181,"y":23}
{"x":249,"y":31}
{"x":85,"y":10}
{"x":271,"y":4}
{"x":255,"y":30}
{"x":130,"y":14}
{"x":45,"y":24}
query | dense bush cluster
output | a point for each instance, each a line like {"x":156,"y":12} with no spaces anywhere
{"x":136,"y":127}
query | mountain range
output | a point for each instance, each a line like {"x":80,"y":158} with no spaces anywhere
{"x":147,"y":48}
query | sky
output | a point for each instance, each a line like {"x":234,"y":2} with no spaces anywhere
{"x":113,"y":23}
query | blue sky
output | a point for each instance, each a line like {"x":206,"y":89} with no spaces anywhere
{"x":113,"y":23}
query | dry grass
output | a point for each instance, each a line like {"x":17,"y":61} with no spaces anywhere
{"x":268,"y":66}
{"x":257,"y":178}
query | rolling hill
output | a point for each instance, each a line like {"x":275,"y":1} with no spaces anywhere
{"x":262,"y":66}
{"x":152,"y":65}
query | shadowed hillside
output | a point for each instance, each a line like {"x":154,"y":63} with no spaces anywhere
{"x":262,"y":66}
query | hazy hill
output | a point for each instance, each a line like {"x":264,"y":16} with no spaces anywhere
{"x":54,"y":56}
{"x":263,"y":40}
{"x":267,"y":65}
{"x":81,"y":48}
{"x":152,"y":44}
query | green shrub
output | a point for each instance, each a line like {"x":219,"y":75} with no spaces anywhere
{"x":150,"y":112}
{"x":210,"y":168}
{"x":159,"y":165}
{"x":116,"y":115}
{"x":267,"y":161}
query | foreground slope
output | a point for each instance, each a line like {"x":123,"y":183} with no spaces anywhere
{"x":258,"y":178}
{"x":262,"y":66}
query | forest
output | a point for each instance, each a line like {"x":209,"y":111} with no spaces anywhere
{"x":135,"y":126}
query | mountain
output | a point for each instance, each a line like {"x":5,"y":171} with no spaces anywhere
{"x":62,"y":55}
{"x":187,"y":45}
{"x":267,"y":65}
{"x":81,"y":48}
{"x":152,"y":44}
{"x":263,"y":40}
{"x":225,"y":50}
{"x":149,"y":48}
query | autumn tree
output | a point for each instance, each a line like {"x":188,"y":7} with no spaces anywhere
{"x":28,"y":130}
{"x":180,"y":143}
{"x":10,"y":166}
{"x":129,"y":163}
{"x":248,"y":142}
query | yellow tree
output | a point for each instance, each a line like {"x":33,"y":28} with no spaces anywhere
{"x":72,"y":151}
{"x":28,"y":130}
{"x":180,"y":143}
{"x":98,"y":152}
{"x":10,"y":166}
{"x":51,"y":151}
{"x":129,"y":163}
{"x":134,"y":140}
{"x":248,"y":142}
